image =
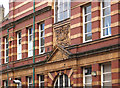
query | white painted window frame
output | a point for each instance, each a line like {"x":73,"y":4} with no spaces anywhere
{"x":84,"y":77}
{"x":86,"y":23}
{"x":5,"y":84}
{"x":109,"y":33}
{"x":40,"y":82}
{"x":56,"y":12}
{"x":30,"y":50}
{"x":58,"y":78}
{"x":29,"y":82}
{"x":103,"y":74}
{"x":6,"y":49}
{"x":41,"y":38}
{"x":19,"y":45}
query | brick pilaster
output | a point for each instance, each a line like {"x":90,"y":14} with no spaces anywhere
{"x":95,"y":9}
{"x":115,"y":17}
{"x":96,"y":80}
{"x":24,"y":81}
{"x":77,"y":77}
{"x":24,"y":43}
{"x":115,"y":68}
{"x":36,"y":39}
{"x":76,"y":25}
{"x":36,"y":81}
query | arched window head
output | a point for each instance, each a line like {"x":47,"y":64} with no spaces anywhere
{"x":62,"y":81}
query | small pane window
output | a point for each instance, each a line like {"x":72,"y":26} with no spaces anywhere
{"x":87,"y":77}
{"x":62,"y":10}
{"x":105,"y":18}
{"x":41,"y":38}
{"x":41,"y":81}
{"x":19,"y":46}
{"x":29,"y":82}
{"x":30,"y":42}
{"x":87,"y":26}
{"x":106,"y":75}
{"x":62,"y":81}
{"x":6,"y":50}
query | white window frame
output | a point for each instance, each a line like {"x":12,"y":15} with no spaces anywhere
{"x":29,"y":82}
{"x":84,"y":83}
{"x":40,"y":37}
{"x":5,"y":50}
{"x":30,"y":42}
{"x":5,"y":83}
{"x":41,"y":82}
{"x":19,"y":46}
{"x":109,"y":27}
{"x":58,"y":78}
{"x":102,"y":81}
{"x":84,"y":40}
{"x":56,"y":12}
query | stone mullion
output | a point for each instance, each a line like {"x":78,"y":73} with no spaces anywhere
{"x":115,"y":68}
{"x":95,"y":12}
{"x":96,"y":80}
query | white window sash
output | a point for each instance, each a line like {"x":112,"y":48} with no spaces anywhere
{"x":6,"y":50}
{"x":40,"y":82}
{"x":102,"y":73}
{"x":84,"y":83}
{"x":40,"y":37}
{"x":30,"y":44}
{"x":84,"y":40}
{"x":109,"y":33}
{"x":19,"y":47}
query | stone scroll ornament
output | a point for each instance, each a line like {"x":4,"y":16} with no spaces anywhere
{"x":62,"y":35}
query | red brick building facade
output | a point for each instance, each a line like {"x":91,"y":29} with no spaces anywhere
{"x":76,"y":44}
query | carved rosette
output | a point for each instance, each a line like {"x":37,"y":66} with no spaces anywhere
{"x":62,"y":35}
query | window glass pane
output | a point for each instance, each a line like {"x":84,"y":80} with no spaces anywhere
{"x":61,"y":80}
{"x":88,"y":9}
{"x":88,"y":18}
{"x":88,"y":36}
{"x":106,"y":11}
{"x":107,"y":21}
{"x":88,"y":71}
{"x":107,"y":68}
{"x":106,"y":84}
{"x":88,"y":79}
{"x":106,"y":3}
{"x":107,"y":77}
{"x":66,"y":81}
{"x":42,"y":77}
{"x":19,"y":35}
{"x":88,"y":27}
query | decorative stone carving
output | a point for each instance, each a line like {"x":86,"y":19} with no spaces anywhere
{"x":62,"y":35}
